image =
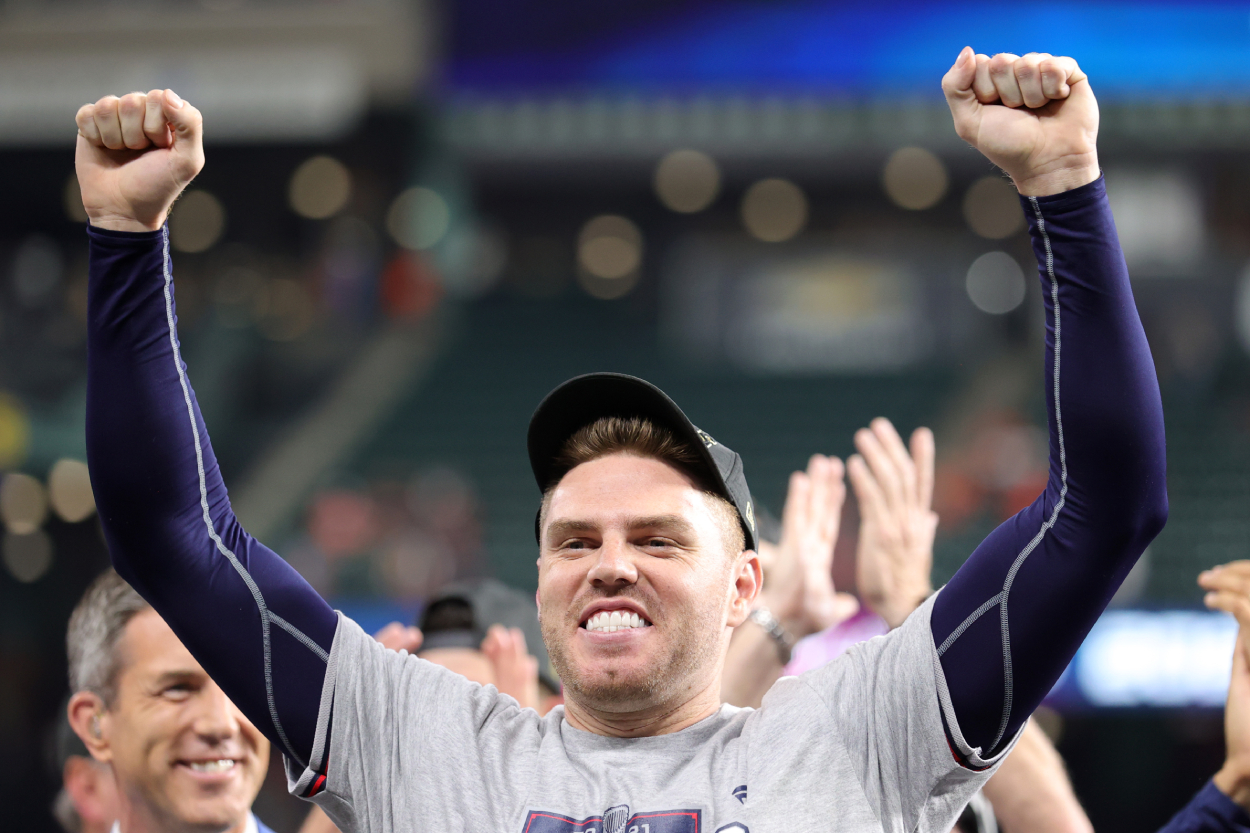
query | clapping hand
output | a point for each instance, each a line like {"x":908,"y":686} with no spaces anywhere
{"x":897,"y":523}
{"x":798,"y":585}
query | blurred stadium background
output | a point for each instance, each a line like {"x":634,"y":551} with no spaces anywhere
{"x":417,"y":218}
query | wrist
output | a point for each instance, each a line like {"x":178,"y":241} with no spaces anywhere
{"x":899,"y":606}
{"x":782,"y":639}
{"x":1233,"y":780}
{"x":1049,"y":183}
{"x":118,"y":222}
{"x":789,"y":615}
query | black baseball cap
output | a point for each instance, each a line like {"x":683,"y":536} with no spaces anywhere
{"x":584,"y":399}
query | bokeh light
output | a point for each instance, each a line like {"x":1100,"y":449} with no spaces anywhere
{"x":319,"y":188}
{"x":687,"y":181}
{"x":14,"y":432}
{"x":609,"y":252}
{"x":992,"y":208}
{"x":774,"y":210}
{"x":69,"y":490}
{"x":995,"y":283}
{"x":196,"y":222}
{"x":23,"y":503}
{"x":27,"y":556}
{"x":914,"y":178}
{"x":287,"y":312}
{"x":37,"y":270}
{"x":418,"y":218}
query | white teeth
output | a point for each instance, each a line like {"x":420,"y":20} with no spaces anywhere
{"x":212,"y":766}
{"x":610,"y":622}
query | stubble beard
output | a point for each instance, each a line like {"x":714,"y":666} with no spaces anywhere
{"x":693,"y":645}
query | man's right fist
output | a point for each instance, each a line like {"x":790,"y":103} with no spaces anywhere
{"x":135,"y":155}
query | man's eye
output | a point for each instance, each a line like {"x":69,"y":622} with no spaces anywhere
{"x":181,"y":691}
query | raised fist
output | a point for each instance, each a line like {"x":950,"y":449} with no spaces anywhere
{"x":135,"y":155}
{"x":1033,"y":116}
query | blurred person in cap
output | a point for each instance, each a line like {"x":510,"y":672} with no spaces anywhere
{"x":183,"y":758}
{"x":1030,"y":792}
{"x":87,"y":800}
{"x":1223,"y":805}
{"x":489,"y":633}
{"x":477,"y":629}
{"x":646,"y":548}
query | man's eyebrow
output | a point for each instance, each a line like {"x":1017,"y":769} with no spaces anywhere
{"x":179,"y":675}
{"x":670,"y":523}
{"x":564,"y":526}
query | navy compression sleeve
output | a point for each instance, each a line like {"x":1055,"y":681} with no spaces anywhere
{"x":1209,"y":811}
{"x":256,"y":626}
{"x":1013,"y":616}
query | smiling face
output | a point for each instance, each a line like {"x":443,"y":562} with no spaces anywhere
{"x":180,"y":749}
{"x":638,"y":591}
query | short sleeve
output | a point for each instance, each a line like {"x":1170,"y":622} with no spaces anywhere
{"x":884,"y":699}
{"x":410,"y":739}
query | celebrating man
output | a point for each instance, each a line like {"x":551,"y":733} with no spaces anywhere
{"x":646,"y":550}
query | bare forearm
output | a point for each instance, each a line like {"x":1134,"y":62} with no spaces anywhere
{"x":751,"y":667}
{"x":1031,"y":792}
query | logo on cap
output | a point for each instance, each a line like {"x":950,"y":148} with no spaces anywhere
{"x":750,"y":515}
{"x":706,"y":437}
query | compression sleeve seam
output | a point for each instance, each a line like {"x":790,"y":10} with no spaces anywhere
{"x":265,"y":615}
{"x":1002,"y":597}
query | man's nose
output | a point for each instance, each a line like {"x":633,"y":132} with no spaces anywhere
{"x":614,"y":565}
{"x":216,"y":718}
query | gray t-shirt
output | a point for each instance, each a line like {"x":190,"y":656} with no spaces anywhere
{"x":856,"y":745}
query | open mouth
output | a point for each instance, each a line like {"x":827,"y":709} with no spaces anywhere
{"x":610,"y":621}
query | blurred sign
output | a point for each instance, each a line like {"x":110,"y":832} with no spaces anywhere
{"x":1132,"y":51}
{"x":795,"y":312}
{"x":1139,"y":658}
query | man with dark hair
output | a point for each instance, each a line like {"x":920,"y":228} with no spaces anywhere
{"x":183,"y":758}
{"x":640,"y":582}
{"x":87,"y":800}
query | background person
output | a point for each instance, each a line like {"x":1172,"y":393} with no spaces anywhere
{"x":1223,"y":805}
{"x":488,"y":632}
{"x":1030,"y":792}
{"x":184,"y":758}
{"x":87,"y":800}
{"x":451,"y":635}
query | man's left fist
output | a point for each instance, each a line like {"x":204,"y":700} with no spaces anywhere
{"x":1034,"y":116}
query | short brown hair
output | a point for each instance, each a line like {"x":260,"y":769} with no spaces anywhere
{"x":641,"y":438}
{"x":95,"y":628}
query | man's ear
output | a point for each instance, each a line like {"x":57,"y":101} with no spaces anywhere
{"x":90,"y":721}
{"x":748,"y":580}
